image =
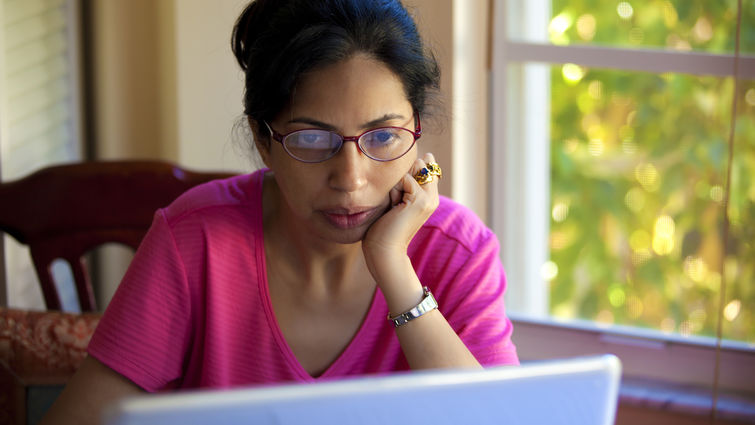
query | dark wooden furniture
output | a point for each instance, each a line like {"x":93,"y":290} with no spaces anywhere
{"x":65,"y":211}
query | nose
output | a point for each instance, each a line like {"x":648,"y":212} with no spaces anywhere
{"x":349,"y":168}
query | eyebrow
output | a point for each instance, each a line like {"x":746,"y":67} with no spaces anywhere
{"x":373,"y":123}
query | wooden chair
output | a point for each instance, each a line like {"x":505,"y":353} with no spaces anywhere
{"x":67,"y":210}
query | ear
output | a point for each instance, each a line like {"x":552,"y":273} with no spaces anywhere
{"x":261,"y":140}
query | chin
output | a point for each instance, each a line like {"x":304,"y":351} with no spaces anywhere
{"x":345,"y":237}
{"x":334,"y":234}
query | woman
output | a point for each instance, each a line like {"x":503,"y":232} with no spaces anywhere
{"x":288,"y":274}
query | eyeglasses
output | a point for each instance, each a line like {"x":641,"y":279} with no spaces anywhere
{"x":316,"y":145}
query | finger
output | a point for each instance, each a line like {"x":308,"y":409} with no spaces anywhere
{"x":425,"y":166}
{"x":421,"y":173}
{"x":420,"y":197}
{"x":410,"y":187}
{"x":414,"y":191}
{"x":429,"y":159}
{"x":395,"y":193}
{"x":418,"y":164}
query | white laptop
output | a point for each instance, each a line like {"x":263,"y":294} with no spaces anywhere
{"x":581,"y":391}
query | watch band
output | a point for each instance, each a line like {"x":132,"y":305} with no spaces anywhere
{"x":427,"y":304}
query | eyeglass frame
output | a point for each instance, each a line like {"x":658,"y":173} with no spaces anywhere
{"x":417,"y":133}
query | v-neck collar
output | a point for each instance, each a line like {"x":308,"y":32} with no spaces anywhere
{"x":334,"y":369}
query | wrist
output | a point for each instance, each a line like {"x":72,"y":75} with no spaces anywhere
{"x":387,"y":263}
{"x":397,"y":280}
{"x":426,"y":305}
{"x":404,"y":300}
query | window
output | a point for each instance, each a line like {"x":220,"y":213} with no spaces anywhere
{"x":39,"y":112}
{"x":611,"y":133}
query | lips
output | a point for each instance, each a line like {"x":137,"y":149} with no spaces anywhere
{"x":348,"y":218}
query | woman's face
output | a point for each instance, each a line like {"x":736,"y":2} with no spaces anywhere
{"x":340,"y":198}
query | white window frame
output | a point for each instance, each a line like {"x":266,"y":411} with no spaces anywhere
{"x":3,"y":131}
{"x":521,"y":217}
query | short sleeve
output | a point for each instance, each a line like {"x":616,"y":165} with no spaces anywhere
{"x":474,"y":304}
{"x":145,"y":331}
{"x":457,"y":256}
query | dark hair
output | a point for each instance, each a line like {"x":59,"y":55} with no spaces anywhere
{"x":276,"y":41}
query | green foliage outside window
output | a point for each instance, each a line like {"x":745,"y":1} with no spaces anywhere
{"x":639,"y":164}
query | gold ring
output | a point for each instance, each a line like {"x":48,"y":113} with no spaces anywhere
{"x":423,"y":176}
{"x":434,"y":169}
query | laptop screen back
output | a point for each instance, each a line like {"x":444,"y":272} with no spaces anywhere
{"x":577,"y":391}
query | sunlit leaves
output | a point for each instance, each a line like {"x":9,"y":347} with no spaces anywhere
{"x":671,"y":24}
{"x":638,"y":189}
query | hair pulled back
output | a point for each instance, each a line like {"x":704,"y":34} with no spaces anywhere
{"x":276,"y":41}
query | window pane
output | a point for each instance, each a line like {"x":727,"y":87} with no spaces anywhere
{"x":739,"y":308}
{"x":699,"y":25}
{"x":638,"y":172}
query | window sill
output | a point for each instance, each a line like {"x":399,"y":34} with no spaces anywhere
{"x":681,"y":363}
{"x":686,"y":400}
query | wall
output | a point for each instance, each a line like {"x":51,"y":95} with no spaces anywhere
{"x":471,"y":85}
{"x":209,"y":85}
{"x":164,"y":82}
{"x":434,"y":18}
{"x":131,"y":107}
{"x":457,"y":31}
{"x":126,"y":113}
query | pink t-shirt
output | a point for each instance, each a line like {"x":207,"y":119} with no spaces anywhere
{"x":194,"y":311}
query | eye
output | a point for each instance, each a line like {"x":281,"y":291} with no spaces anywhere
{"x":310,"y":139}
{"x":382,"y":137}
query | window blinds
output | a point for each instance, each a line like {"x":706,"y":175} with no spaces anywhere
{"x":40,"y":115}
{"x":40,"y":87}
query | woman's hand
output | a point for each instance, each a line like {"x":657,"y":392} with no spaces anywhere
{"x":387,"y":240}
{"x":429,"y":341}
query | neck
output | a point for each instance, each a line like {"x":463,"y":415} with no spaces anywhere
{"x":300,"y":257}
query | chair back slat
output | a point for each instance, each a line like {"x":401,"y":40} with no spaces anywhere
{"x":66,"y":211}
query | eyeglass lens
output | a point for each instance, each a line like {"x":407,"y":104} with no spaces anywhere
{"x":383,"y":144}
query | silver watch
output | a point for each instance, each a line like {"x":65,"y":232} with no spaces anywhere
{"x":427,"y":304}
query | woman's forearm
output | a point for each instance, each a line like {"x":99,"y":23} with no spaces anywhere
{"x":430,"y":342}
{"x":89,"y":391}
{"x":427,"y":341}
